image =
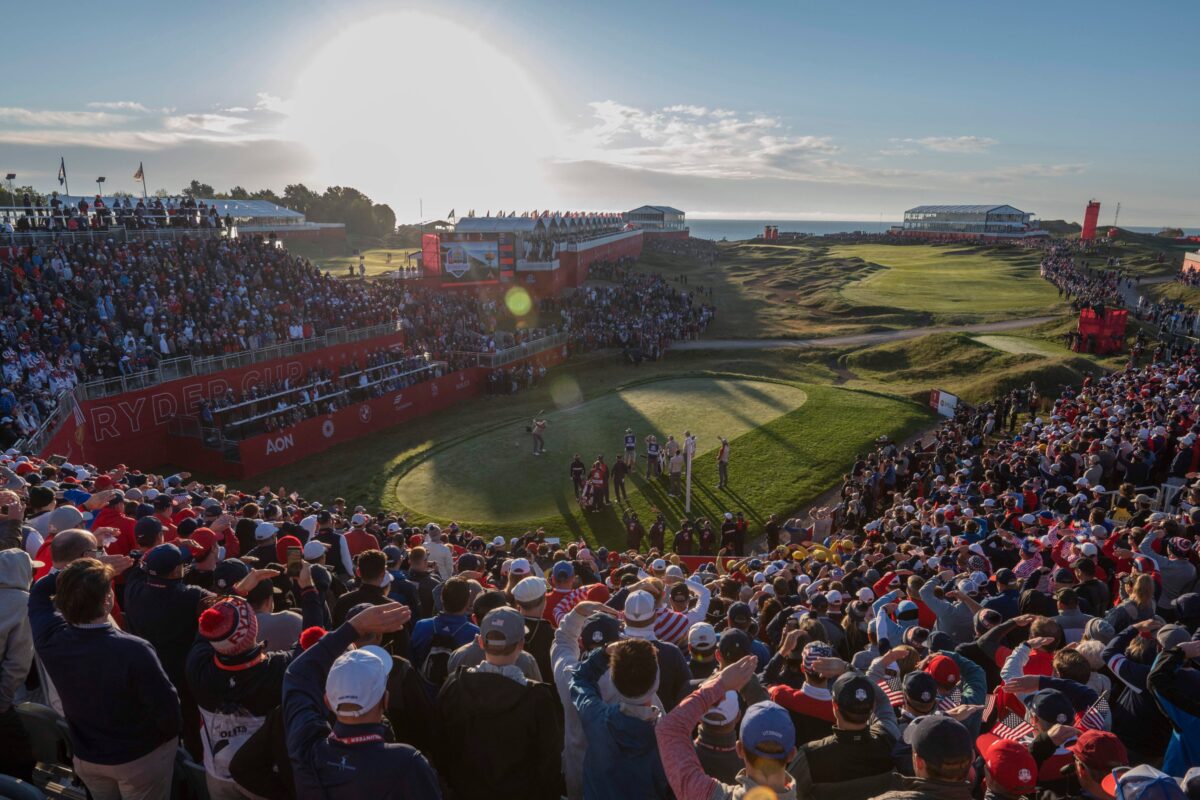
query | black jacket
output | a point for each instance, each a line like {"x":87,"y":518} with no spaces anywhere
{"x":674,"y":675}
{"x":539,"y":635}
{"x":165,"y":613}
{"x":499,"y":739}
{"x":848,"y":755}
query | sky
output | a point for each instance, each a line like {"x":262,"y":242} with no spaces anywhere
{"x":785,"y":110}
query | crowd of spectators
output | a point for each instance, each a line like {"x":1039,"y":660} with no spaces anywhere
{"x":1005,"y":607}
{"x":153,"y":213}
{"x":1081,"y":285}
{"x":274,"y":406}
{"x":80,"y":311}
{"x":642,"y":314}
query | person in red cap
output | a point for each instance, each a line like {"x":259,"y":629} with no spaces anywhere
{"x":204,"y":559}
{"x":1097,"y":754}
{"x":1009,"y":770}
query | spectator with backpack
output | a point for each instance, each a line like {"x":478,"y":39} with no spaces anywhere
{"x":434,"y":640}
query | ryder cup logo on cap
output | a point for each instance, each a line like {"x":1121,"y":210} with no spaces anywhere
{"x":357,"y":681}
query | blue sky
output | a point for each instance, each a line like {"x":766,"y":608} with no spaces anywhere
{"x":835,"y":110}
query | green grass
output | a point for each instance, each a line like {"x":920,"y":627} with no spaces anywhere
{"x":1174,"y":292}
{"x":1021,"y":345}
{"x":954,"y":284}
{"x":486,"y":477}
{"x":807,"y":435}
{"x":817,"y":290}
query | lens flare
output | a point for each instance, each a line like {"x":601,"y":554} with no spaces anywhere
{"x":518,"y":301}
{"x":565,"y":392}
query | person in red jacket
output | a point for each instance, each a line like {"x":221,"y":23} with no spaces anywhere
{"x":113,"y":516}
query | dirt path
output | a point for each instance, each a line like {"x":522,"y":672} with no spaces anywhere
{"x":857,"y":338}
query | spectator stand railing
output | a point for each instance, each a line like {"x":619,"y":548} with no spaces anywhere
{"x":508,"y":355}
{"x":49,"y":237}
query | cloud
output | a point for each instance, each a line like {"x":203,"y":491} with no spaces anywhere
{"x":697,"y":140}
{"x":204,"y":123}
{"x":952,"y":144}
{"x":67,"y":119}
{"x":1020,"y":172}
{"x":120,"y":105}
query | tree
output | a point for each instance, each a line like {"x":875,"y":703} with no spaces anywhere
{"x":267,"y":194}
{"x":197,"y":190}
{"x":17,"y":198}
{"x":238,"y":193}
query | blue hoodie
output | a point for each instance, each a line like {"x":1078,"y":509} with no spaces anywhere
{"x":1177,"y":689}
{"x":622,"y":760}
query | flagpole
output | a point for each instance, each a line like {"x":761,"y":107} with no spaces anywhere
{"x":142,"y":169}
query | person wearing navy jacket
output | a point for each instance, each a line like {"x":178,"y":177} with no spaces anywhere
{"x":235,"y":681}
{"x":121,"y":708}
{"x":351,"y":758}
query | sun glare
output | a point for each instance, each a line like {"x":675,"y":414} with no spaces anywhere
{"x":410,"y":105}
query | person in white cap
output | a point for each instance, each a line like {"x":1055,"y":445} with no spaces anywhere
{"x":641,"y":611}
{"x":352,"y":758}
{"x":530,"y":596}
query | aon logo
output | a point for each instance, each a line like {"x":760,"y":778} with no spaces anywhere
{"x":278,"y":444}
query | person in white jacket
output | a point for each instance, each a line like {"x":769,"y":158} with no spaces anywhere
{"x":16,"y":572}
{"x":439,"y":553}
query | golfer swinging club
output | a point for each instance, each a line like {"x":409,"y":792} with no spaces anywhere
{"x":537,"y":429}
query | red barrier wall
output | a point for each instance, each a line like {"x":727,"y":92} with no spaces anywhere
{"x":138,"y":433}
{"x":132,"y":427}
{"x":271,"y":450}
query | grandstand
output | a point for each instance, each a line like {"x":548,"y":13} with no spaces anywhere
{"x":74,"y":217}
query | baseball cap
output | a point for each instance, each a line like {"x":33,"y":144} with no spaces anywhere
{"x":563,"y":570}
{"x":739,"y":614}
{"x":599,"y":630}
{"x":529,"y":591}
{"x":639,"y":606}
{"x":357,"y":678}
{"x":920,"y":688}
{"x":65,"y":517}
{"x":939,"y":739}
{"x":854,"y":696}
{"x":1051,"y":705}
{"x":164,"y":558}
{"x":733,"y":644}
{"x":674,"y":571}
{"x":814,"y":651}
{"x":227,"y":573}
{"x":702,"y":636}
{"x":314,"y":550}
{"x":724,"y":712}
{"x":866,"y":595}
{"x":1011,"y":765}
{"x":207,"y":541}
{"x":765,"y":723}
{"x":944,"y":670}
{"x":679,"y":591}
{"x":1144,"y":782}
{"x":520,"y":566}
{"x":264,"y":531}
{"x":1100,"y":750}
{"x":658,"y":565}
{"x":1171,"y":635}
{"x":1005,"y":575}
{"x":502,"y":628}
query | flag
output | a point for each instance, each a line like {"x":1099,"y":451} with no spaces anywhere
{"x":1096,"y":717}
{"x":1014,"y":728}
{"x":139,"y":175}
{"x":891,"y":688}
{"x":451,"y":214}
{"x":62,"y":170}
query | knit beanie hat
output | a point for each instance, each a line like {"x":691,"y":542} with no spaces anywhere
{"x":230,"y":626}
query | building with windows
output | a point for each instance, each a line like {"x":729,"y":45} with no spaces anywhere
{"x":657,"y":218}
{"x":969,"y":222}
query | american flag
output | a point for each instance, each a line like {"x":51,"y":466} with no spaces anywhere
{"x":1011,"y":725}
{"x":1097,"y":716}
{"x":894,"y":689}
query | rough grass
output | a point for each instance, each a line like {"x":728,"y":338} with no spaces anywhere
{"x":962,"y":365}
